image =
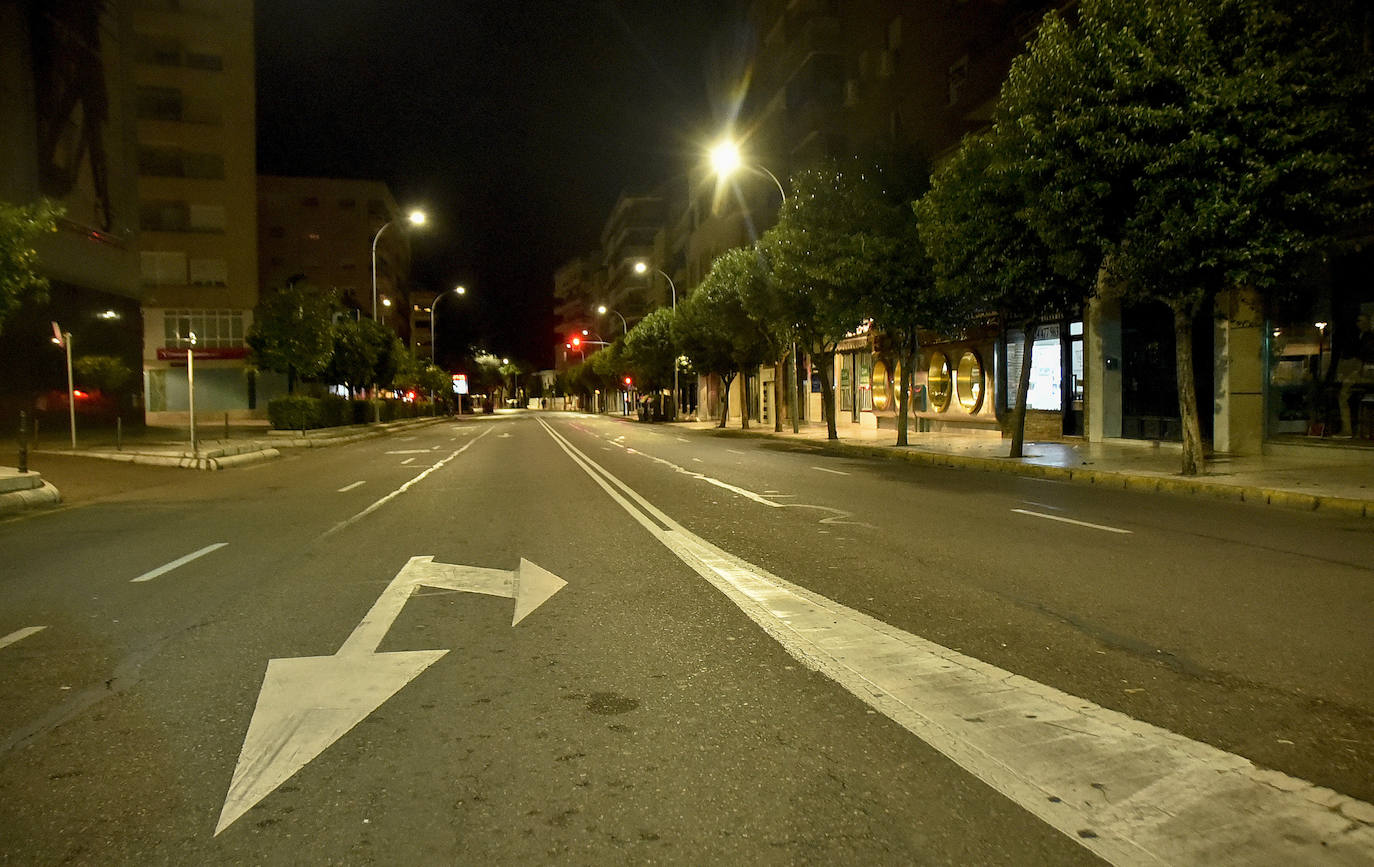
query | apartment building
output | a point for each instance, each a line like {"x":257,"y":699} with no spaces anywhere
{"x":194,"y":103}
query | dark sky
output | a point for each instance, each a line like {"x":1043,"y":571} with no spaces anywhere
{"x":513,"y":123}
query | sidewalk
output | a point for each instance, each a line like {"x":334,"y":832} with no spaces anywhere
{"x":171,"y":447}
{"x":1319,"y":476}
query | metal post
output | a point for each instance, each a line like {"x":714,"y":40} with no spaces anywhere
{"x":226,"y":425}
{"x":23,"y":441}
{"x":191,"y":393}
{"x":71,"y":387}
{"x":119,"y":433}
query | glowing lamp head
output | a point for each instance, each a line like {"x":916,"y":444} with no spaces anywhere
{"x":725,"y":158}
{"x":601,"y":310}
{"x":416,"y":218}
{"x":641,"y":268}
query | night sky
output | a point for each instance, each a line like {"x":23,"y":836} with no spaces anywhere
{"x":514,"y":123}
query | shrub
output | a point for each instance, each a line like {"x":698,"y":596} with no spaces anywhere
{"x":294,"y":413}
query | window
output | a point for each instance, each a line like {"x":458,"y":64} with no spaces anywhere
{"x":214,"y":329}
{"x":163,"y":268}
{"x":207,"y":218}
{"x":894,"y":34}
{"x":170,"y":162}
{"x":210,"y":60}
{"x":209,"y":272}
{"x":347,"y":204}
{"x":159,"y":103}
{"x":955,"y":78}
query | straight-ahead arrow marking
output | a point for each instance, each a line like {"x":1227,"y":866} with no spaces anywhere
{"x":308,"y":703}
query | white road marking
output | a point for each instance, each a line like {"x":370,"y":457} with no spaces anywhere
{"x":1130,"y":792}
{"x":407,"y":461}
{"x":410,"y":452}
{"x":699,"y":460}
{"x":836,"y":472}
{"x":20,"y":635}
{"x":180,"y":561}
{"x":1043,"y":505}
{"x":308,"y":703}
{"x":683,"y":440}
{"x":401,"y":490}
{"x":1072,"y":521}
{"x":346,"y":488}
{"x":735,"y":451}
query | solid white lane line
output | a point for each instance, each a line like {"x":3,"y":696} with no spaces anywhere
{"x":401,"y":490}
{"x":180,"y":561}
{"x":1043,"y":505}
{"x":836,"y":472}
{"x":1072,"y":521}
{"x":346,"y":488}
{"x":409,"y":452}
{"x":1130,"y":792}
{"x":20,"y":635}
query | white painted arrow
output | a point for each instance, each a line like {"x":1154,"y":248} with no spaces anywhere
{"x":308,"y":703}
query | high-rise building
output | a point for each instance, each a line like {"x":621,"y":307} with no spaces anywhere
{"x":194,"y":102}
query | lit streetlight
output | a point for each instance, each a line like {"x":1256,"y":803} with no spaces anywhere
{"x":416,"y":218}
{"x":643,"y":268}
{"x":64,"y":340}
{"x":603,"y":310}
{"x":434,"y":317}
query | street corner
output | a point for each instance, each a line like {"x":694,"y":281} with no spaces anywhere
{"x":40,"y":496}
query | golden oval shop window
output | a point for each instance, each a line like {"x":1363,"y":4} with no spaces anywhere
{"x":937,"y":381}
{"x":880,"y":398}
{"x":970,"y":382}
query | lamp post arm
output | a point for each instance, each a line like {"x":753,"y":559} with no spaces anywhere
{"x":375,"y":239}
{"x":781,"y":191}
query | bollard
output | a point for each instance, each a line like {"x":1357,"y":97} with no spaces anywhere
{"x":119,"y":433}
{"x":226,"y":425}
{"x":23,"y":442}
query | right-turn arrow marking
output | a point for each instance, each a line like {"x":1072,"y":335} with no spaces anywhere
{"x":308,"y":703}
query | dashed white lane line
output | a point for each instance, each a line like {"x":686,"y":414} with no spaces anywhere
{"x":835,"y":472}
{"x":407,"y":461}
{"x":346,"y":488}
{"x":409,"y":452}
{"x":1072,"y":521}
{"x":177,"y":563}
{"x":20,"y":635}
{"x":735,"y":451}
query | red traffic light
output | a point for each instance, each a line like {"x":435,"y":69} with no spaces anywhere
{"x":627,"y":380}
{"x":576,"y":342}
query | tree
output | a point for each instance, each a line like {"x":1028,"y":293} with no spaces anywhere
{"x":105,"y":373}
{"x":650,"y":351}
{"x":815,"y":258}
{"x":292,"y":331}
{"x":1192,"y":147}
{"x":714,"y":329}
{"x":986,"y":253}
{"x":20,"y":225}
{"x":362,"y":355}
{"x":767,"y":307}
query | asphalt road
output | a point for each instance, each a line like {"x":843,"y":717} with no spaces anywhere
{"x":656,"y":708}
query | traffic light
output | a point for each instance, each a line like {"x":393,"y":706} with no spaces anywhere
{"x":576,"y":342}
{"x":627,"y":382}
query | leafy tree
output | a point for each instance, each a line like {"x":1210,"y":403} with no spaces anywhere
{"x":714,"y":329}
{"x":816,"y":259}
{"x":293,"y":333}
{"x":986,"y":254}
{"x":362,"y":355}
{"x":1193,"y":146}
{"x":650,"y":351}
{"x":105,"y":373}
{"x":767,"y":308}
{"x":20,"y":225}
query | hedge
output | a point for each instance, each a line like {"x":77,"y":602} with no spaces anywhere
{"x":309,"y":413}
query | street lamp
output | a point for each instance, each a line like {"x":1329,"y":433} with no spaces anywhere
{"x":603,"y":310}
{"x":416,"y":218}
{"x":434,"y":318}
{"x":725,"y":159}
{"x":643,"y":268}
{"x":64,"y":340}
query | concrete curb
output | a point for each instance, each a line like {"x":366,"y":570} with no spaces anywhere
{"x":1281,"y":498}
{"x":32,"y":498}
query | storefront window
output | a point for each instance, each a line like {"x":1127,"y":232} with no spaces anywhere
{"x":969,"y":384}
{"x":880,"y":392}
{"x":1321,"y":376}
{"x":938,"y":381}
{"x":1047,"y":373}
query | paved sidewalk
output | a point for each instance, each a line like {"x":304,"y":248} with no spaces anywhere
{"x":171,"y":447}
{"x":1331,"y":477}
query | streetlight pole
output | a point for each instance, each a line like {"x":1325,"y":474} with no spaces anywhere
{"x":191,"y":390}
{"x":64,"y":340}
{"x":603,"y":310}
{"x":640,"y":268}
{"x":725,"y":158}
{"x":416,"y":218}
{"x":434,"y":318}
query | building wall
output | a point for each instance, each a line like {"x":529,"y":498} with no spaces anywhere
{"x":194,"y":96}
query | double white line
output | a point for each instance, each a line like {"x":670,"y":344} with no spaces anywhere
{"x":1131,"y":792}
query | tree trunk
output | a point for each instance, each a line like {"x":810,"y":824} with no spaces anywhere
{"x":744,"y":405}
{"x":1194,"y":462}
{"x":911,"y":350}
{"x":777,"y":396}
{"x":725,"y":399}
{"x":290,"y":379}
{"x":794,"y":365}
{"x":828,"y":393}
{"x":1018,"y":413}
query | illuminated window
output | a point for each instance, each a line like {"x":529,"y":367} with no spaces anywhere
{"x":969,"y":384}
{"x":880,"y":392}
{"x":938,"y":381}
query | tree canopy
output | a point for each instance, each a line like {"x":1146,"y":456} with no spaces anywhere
{"x":20,"y":226}
{"x":293,"y":331}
